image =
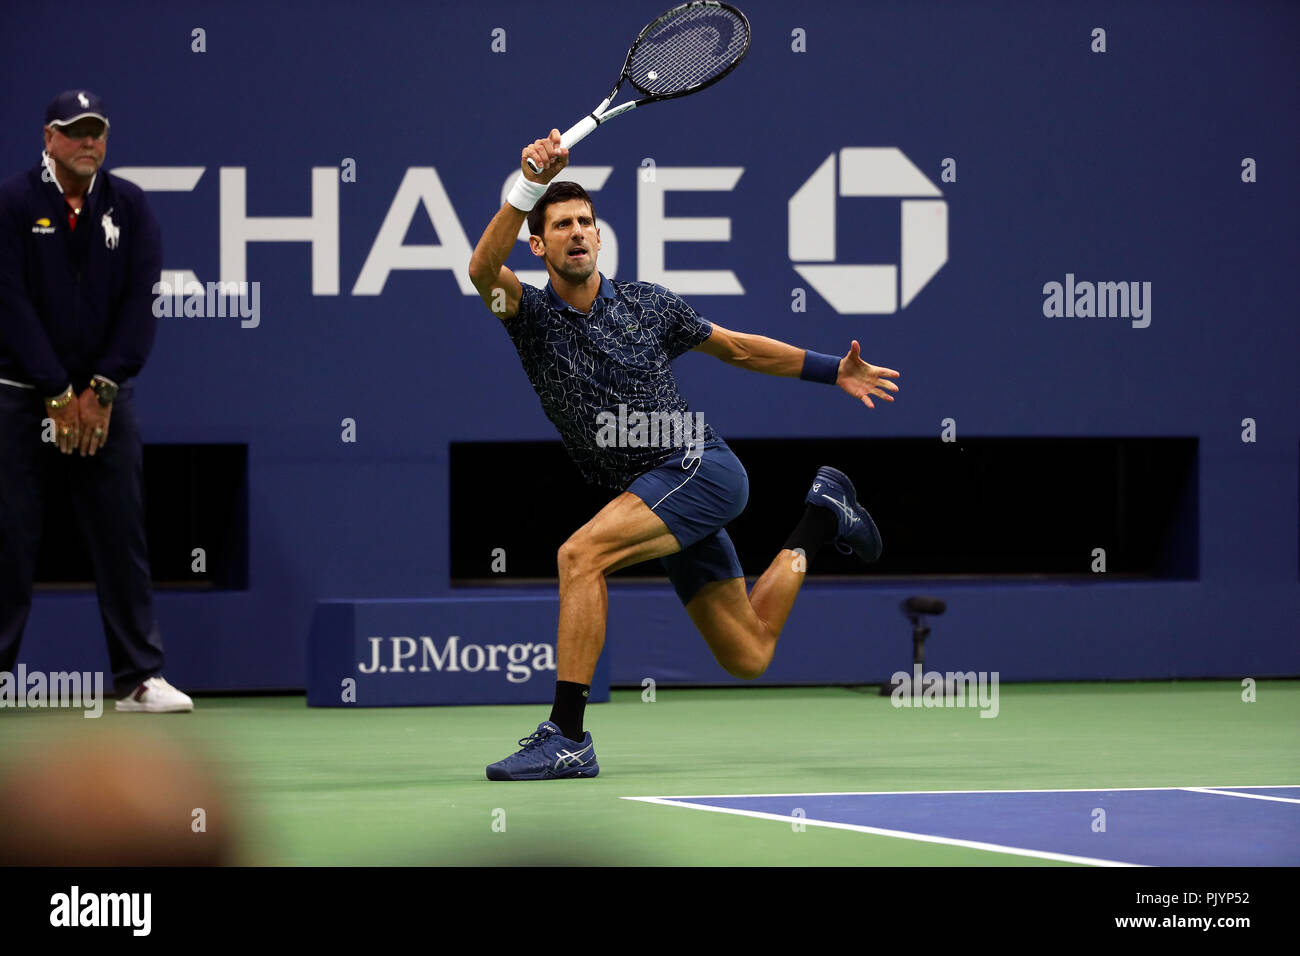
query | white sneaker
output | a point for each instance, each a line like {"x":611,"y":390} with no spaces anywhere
{"x":156,"y":696}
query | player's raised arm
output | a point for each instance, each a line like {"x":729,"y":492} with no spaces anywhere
{"x":499,"y":288}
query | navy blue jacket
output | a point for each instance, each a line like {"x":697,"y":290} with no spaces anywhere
{"x":75,"y":303}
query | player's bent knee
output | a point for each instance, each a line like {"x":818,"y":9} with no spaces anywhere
{"x":746,"y":668}
{"x":569,"y":558}
{"x":574,"y":559}
{"x":568,"y":561}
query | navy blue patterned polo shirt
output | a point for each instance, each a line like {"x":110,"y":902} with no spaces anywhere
{"x":585,"y":364}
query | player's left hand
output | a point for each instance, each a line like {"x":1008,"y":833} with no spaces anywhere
{"x":94,"y":422}
{"x":862,"y":379}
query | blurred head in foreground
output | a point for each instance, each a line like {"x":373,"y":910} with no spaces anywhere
{"x":112,"y":799}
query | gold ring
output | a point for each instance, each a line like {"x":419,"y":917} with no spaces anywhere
{"x":99,"y":432}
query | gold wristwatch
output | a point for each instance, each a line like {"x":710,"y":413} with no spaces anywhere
{"x":56,"y":403}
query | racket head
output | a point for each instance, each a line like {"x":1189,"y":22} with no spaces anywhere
{"x":688,"y":48}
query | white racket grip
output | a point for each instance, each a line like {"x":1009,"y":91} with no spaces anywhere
{"x":571,"y":137}
{"x":576,"y":133}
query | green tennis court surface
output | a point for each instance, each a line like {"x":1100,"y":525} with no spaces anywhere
{"x":406,"y":785}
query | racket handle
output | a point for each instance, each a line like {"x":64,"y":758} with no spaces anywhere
{"x":571,"y":137}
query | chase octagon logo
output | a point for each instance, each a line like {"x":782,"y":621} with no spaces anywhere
{"x":875,"y":288}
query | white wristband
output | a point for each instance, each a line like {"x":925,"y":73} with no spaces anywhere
{"x":525,"y":193}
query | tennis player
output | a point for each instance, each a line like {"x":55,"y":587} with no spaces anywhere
{"x":598,"y":351}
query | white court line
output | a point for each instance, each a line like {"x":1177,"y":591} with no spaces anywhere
{"x":1248,"y":796}
{"x":880,"y":831}
{"x":685,"y":801}
{"x":875,"y":793}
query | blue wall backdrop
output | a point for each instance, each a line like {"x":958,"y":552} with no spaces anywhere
{"x":1127,"y":165}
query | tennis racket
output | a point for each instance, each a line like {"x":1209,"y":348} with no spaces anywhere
{"x":687,"y":49}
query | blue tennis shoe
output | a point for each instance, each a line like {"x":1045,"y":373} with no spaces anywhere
{"x":548,"y":755}
{"x":832,"y":489}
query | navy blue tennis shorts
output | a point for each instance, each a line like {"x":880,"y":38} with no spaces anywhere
{"x":697,"y":496}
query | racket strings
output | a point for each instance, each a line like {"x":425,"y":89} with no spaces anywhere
{"x":687,"y":51}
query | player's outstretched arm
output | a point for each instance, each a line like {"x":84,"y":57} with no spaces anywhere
{"x":498,"y":286}
{"x":759,"y":353}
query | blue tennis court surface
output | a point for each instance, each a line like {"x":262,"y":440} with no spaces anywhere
{"x":1185,"y":826}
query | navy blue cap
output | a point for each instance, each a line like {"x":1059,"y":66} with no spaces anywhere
{"x":72,"y":105}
